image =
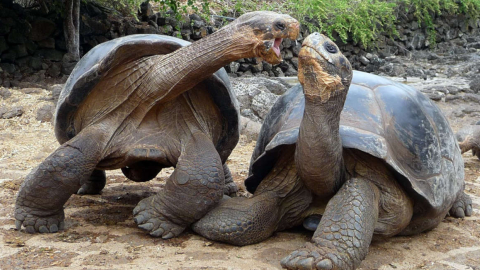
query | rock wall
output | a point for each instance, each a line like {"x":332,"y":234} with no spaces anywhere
{"x":32,"y":44}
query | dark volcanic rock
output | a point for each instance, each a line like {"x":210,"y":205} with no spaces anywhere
{"x":42,"y":28}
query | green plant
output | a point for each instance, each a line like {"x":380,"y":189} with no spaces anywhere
{"x":124,"y":7}
{"x":180,"y":8}
{"x":426,"y":10}
{"x":360,"y":20}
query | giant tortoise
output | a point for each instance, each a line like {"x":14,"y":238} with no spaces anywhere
{"x":382,"y":160}
{"x":142,"y":103}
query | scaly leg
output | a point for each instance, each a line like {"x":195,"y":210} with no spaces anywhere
{"x":195,"y":187}
{"x":230,"y":188}
{"x":345,"y":231}
{"x":40,"y":200}
{"x":462,"y":206}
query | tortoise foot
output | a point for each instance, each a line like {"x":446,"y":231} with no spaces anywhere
{"x":462,"y":207}
{"x":313,"y":257}
{"x":150,"y":219}
{"x":230,"y":189}
{"x":38,"y":220}
{"x":94,"y":184}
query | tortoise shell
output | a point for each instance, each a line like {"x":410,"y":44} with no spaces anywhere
{"x":98,"y":61}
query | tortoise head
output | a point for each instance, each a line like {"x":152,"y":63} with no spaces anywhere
{"x":264,"y":30}
{"x":323,"y":70}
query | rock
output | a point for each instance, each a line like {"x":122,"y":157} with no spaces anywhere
{"x":294,"y":62}
{"x":48,"y":43}
{"x":8,"y":113}
{"x":31,"y":46}
{"x":291,"y":71}
{"x":49,"y":54}
{"x":472,"y":97}
{"x":4,"y":27}
{"x":364,"y":60}
{"x":6,"y":83}
{"x":267,"y":66}
{"x":146,"y":10}
{"x":9,"y":56}
{"x":296,"y":49}
{"x":7,"y":67}
{"x":475,"y":85}
{"x":95,"y":25}
{"x":42,"y":28}
{"x":45,"y":113}
{"x":257,"y":95}
{"x":262,"y":102}
{"x":278,"y":72}
{"x":256,"y":68}
{"x":20,"y":50}
{"x":3,"y":44}
{"x":16,"y":37}
{"x":244,"y":67}
{"x":287,"y":43}
{"x":56,"y":89}
{"x":249,"y":128}
{"x":35,"y":63}
{"x":55,"y":69}
{"x":288,"y":55}
{"x":5,"y":93}
{"x":475,"y":45}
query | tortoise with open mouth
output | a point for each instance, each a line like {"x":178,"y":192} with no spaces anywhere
{"x":142,"y":103}
{"x":381,"y":160}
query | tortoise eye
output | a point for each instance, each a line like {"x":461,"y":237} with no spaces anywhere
{"x":280,"y":26}
{"x":330,"y":47}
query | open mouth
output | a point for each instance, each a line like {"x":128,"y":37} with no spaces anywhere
{"x":276,"y":46}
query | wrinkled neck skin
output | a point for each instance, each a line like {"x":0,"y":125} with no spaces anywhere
{"x":181,"y":70}
{"x":319,"y":152}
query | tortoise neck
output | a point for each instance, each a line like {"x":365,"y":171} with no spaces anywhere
{"x":319,"y":151}
{"x":181,"y":70}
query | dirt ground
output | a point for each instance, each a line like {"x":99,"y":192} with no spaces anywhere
{"x":100,"y":232}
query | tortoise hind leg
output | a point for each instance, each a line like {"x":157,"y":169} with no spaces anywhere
{"x":462,"y":206}
{"x":40,"y":200}
{"x":241,"y":221}
{"x":93,"y":185}
{"x":195,"y":187}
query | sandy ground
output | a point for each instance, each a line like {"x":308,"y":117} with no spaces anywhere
{"x":100,"y":232}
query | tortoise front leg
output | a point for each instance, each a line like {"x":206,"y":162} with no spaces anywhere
{"x":194,"y":188}
{"x":230,"y":188}
{"x":40,"y":200}
{"x":345,"y":231}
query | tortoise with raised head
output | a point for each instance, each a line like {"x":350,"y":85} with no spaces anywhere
{"x":142,"y":103}
{"x":381,"y":160}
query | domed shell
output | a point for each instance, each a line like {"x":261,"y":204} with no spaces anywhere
{"x":388,"y":120}
{"x":90,"y":69}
